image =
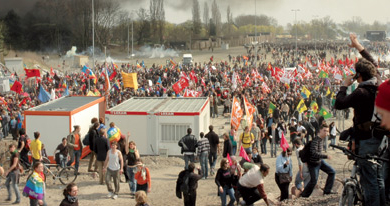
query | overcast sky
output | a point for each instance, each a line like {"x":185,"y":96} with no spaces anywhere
{"x":178,"y":11}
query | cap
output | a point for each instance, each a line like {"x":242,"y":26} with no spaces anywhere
{"x":383,"y":97}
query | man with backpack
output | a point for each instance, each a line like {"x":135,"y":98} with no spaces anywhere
{"x":188,"y":146}
{"x":187,"y":183}
{"x":314,"y":159}
{"x":246,"y":140}
{"x":364,"y":143}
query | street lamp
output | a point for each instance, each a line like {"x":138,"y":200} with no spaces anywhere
{"x":255,"y":33}
{"x":296,"y":32}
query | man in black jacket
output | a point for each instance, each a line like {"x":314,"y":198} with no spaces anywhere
{"x":227,"y":146}
{"x":188,"y":146}
{"x":102,"y":146}
{"x":190,"y":195}
{"x":363,"y":143}
{"x":316,"y":163}
{"x":214,"y":148}
{"x":92,"y":135}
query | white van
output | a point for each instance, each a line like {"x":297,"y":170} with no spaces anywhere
{"x":187,"y":59}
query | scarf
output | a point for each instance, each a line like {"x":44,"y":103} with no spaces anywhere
{"x":34,"y":188}
{"x":71,"y":199}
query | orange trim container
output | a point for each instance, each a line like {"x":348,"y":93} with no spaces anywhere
{"x":55,"y":119}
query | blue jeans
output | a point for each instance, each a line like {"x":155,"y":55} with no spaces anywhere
{"x":187,"y":158}
{"x":212,"y":160}
{"x":314,"y":172}
{"x":274,"y":149}
{"x":62,"y":160}
{"x":264,"y":145}
{"x":299,"y":180}
{"x":132,"y":181}
{"x":12,"y":180}
{"x":234,"y":149}
{"x":76,"y":156}
{"x":212,"y":112}
{"x":333,"y":141}
{"x":371,"y":177}
{"x":203,"y":163}
{"x":230,"y":192}
{"x":249,"y":149}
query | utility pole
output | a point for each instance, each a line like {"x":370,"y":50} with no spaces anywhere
{"x":257,"y":43}
{"x":128,"y":37}
{"x":296,"y":33}
{"x":315,"y":35}
{"x":93,"y":42}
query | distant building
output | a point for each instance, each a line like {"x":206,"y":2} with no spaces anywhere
{"x":376,"y":35}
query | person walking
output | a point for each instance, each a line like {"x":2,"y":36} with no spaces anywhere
{"x":12,"y":175}
{"x":191,"y":179}
{"x":316,"y":163}
{"x":303,"y":174}
{"x":214,"y":148}
{"x":113,"y":169}
{"x":132,"y":157}
{"x":75,"y":147}
{"x":35,"y":186}
{"x":246,"y":140}
{"x":284,"y":173}
{"x":24,"y":148}
{"x":188,"y":146}
{"x":224,"y":181}
{"x":257,"y":134}
{"x":102,"y":147}
{"x":203,"y":153}
{"x":36,"y":148}
{"x":227,"y":146}
{"x":92,"y":136}
{"x":274,"y":139}
{"x":233,"y":139}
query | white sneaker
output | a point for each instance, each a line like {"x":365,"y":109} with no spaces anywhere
{"x":114,"y":197}
{"x":110,"y":194}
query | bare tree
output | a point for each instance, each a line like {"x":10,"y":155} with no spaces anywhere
{"x":206,"y":16}
{"x":216,"y":17}
{"x":196,"y":17}
{"x":157,"y":19}
{"x":143,"y":26}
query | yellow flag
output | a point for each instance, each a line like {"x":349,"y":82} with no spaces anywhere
{"x":327,"y":92}
{"x":301,"y":106}
{"x":130,"y":80}
{"x":90,"y":93}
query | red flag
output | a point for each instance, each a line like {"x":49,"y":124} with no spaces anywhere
{"x":191,"y":93}
{"x":180,"y":85}
{"x":193,"y":76}
{"x":32,"y":73}
{"x":243,"y":154}
{"x":17,"y":87}
{"x":203,"y":83}
{"x":230,"y":159}
{"x":23,"y":102}
{"x":283,"y":143}
{"x":51,"y":71}
{"x":113,"y":74}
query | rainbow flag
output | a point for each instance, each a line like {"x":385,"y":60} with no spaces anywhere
{"x":114,"y":134}
{"x":34,"y":186}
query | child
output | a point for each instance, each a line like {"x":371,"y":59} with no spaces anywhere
{"x":256,"y":156}
{"x":141,"y":198}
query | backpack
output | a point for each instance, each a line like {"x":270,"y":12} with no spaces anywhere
{"x":28,"y":142}
{"x":86,"y":139}
{"x":185,"y":187}
{"x":304,"y":154}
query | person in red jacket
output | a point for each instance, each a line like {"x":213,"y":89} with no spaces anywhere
{"x":142,"y":176}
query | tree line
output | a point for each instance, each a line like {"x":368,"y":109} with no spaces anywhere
{"x":57,"y":25}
